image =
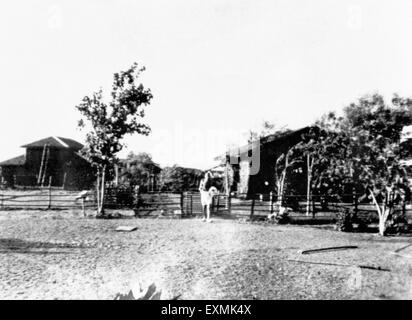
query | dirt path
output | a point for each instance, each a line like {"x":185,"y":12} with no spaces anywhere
{"x":65,"y":256}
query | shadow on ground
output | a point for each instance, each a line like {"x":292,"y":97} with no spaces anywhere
{"x":12,"y":245}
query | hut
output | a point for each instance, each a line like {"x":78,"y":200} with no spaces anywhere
{"x":250,"y":169}
{"x":53,"y":161}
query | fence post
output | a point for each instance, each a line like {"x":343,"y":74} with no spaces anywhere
{"x":191,"y":204}
{"x":313,"y":202}
{"x":181,"y":201}
{"x":355,"y":200}
{"x":271,"y":202}
{"x":229,"y":203}
{"x":50,"y":196}
{"x":187,"y":203}
{"x":64,"y":180}
{"x":83,"y":209}
{"x":403,"y":207}
{"x":252,"y":209}
{"x":137,"y":198}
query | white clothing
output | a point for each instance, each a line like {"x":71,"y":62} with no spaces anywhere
{"x":206,"y":198}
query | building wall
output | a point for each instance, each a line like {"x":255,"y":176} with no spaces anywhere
{"x":265,"y":180}
{"x":64,"y":167}
{"x":79,"y":173}
{"x":7,"y":175}
{"x":243,"y":184}
{"x":55,"y":166}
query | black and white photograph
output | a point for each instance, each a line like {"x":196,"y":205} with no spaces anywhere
{"x":219,"y":150}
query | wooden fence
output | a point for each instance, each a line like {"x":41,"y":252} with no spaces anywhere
{"x":258,"y":207}
{"x":188,"y":203}
{"x":45,"y":198}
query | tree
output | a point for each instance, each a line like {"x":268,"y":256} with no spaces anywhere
{"x":139,"y":169}
{"x":310,"y":151}
{"x":284,"y":163}
{"x":178,"y":179}
{"x":376,"y":130}
{"x":362,"y":149}
{"x":110,"y":122}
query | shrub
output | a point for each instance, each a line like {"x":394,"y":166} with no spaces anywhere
{"x":397,"y":222}
{"x":283,"y":216}
{"x":344,"y":220}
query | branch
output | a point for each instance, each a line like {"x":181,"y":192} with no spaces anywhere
{"x":376,"y":203}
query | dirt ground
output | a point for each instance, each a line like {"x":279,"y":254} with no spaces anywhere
{"x":63,"y":255}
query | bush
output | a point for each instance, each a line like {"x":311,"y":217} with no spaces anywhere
{"x":283,"y":216}
{"x":121,"y":196}
{"x":344,"y":221}
{"x":362,"y":225}
{"x":150,"y":294}
{"x":397,"y":222}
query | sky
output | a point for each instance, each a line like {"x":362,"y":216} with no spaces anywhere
{"x":216,"y":68}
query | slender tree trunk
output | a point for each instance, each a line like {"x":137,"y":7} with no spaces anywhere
{"x":103,"y":185}
{"x":227,"y":187}
{"x":383,"y":213}
{"x":281,"y":187}
{"x":116,"y":172}
{"x":382,"y":226}
{"x":309,"y":168}
{"x":281,"y":183}
{"x":386,"y":210}
{"x":279,"y":197}
{"x":98,"y":191}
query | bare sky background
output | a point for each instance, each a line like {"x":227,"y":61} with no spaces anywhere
{"x":216,"y":68}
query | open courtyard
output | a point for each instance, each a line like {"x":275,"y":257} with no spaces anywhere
{"x":63,"y":255}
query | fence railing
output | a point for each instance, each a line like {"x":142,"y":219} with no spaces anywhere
{"x":189,"y":204}
{"x":259,"y":206}
{"x":45,"y":198}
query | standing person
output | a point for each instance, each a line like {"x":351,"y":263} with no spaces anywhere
{"x":206,"y":195}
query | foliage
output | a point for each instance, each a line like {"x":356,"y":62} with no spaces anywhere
{"x":283,"y":166}
{"x":177,"y":179}
{"x":110,"y":122}
{"x":138,"y":170}
{"x":283,"y":216}
{"x":151,"y":294}
{"x":397,"y":222}
{"x":344,"y":219}
{"x":361,"y":150}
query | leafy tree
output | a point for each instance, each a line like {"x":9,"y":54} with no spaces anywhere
{"x":110,"y":122}
{"x":177,"y":179}
{"x":362,"y":150}
{"x":284,"y":163}
{"x":311,"y":151}
{"x":139,"y":170}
